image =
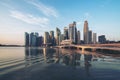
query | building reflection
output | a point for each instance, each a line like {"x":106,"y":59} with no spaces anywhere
{"x":33,"y":56}
{"x":48,"y":55}
{"x":87,"y":63}
{"x":71,"y":58}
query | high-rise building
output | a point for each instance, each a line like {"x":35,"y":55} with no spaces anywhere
{"x":78,"y":37}
{"x":85,"y":36}
{"x":40,"y":41}
{"x":36,"y":35}
{"x":32,"y":39}
{"x":73,"y":32}
{"x":26,"y":39}
{"x":46,"y":38}
{"x":62,"y":37}
{"x":94,"y":38}
{"x":102,"y":39}
{"x":66,"y":33}
{"x":52,"y":39}
{"x":90,"y":36}
{"x":58,"y":36}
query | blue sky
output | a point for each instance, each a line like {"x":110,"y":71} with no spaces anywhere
{"x":19,"y":16}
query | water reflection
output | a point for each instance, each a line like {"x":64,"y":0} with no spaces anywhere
{"x":66,"y":57}
{"x":87,"y":60}
{"x":33,"y":56}
{"x":61,"y":63}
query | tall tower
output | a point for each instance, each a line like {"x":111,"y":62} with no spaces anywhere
{"x":78,"y":37}
{"x":58,"y":36}
{"x":73,"y":32}
{"x":52,"y":37}
{"x":90,"y":36}
{"x":86,"y":31}
{"x":65,"y":33}
{"x":26,"y":39}
{"x":46,"y":38}
{"x":94,"y":38}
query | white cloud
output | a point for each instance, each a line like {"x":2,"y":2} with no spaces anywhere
{"x":30,"y":19}
{"x":79,"y":23}
{"x":46,"y":10}
{"x":87,"y":15}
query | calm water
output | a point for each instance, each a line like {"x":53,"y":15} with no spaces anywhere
{"x":56,"y":64}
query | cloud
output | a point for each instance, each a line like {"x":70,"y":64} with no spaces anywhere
{"x":87,"y":15}
{"x":46,"y":10}
{"x":79,"y":23}
{"x":30,"y":19}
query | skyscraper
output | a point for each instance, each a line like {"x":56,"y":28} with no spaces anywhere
{"x":32,"y":39}
{"x":52,"y":39}
{"x":73,"y":32}
{"x":40,"y":41}
{"x":85,"y":36}
{"x":26,"y":39}
{"x":90,"y":36}
{"x":102,"y":39}
{"x":46,"y":38}
{"x":36,"y":38}
{"x":94,"y":38}
{"x":58,"y":36}
{"x":78,"y":37}
{"x":65,"y":33}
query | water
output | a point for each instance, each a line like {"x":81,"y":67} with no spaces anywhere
{"x":56,"y":64}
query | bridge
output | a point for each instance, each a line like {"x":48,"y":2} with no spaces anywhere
{"x":92,"y":48}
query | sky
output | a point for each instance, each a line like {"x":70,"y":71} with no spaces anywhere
{"x":19,"y":16}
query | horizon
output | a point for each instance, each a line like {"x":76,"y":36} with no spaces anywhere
{"x":21,"y":16}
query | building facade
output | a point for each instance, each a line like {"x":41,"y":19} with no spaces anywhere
{"x":94,"y":38}
{"x":66,"y":33}
{"x":26,"y":39}
{"x":46,"y":38}
{"x":102,"y":39}
{"x":78,"y":37}
{"x":85,"y":34}
{"x":73,"y":32}
{"x":90,"y":37}
{"x":58,"y":36}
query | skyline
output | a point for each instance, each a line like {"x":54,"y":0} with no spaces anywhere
{"x":17,"y":17}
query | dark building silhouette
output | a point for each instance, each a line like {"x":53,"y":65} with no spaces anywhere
{"x":40,"y":41}
{"x":52,"y":38}
{"x":90,"y":36}
{"x":26,"y":39}
{"x":102,"y":39}
{"x":33,"y":39}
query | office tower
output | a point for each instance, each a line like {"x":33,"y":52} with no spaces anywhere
{"x":62,"y":37}
{"x":31,"y":39}
{"x":65,"y":33}
{"x":90,"y":37}
{"x":52,"y":39}
{"x":58,"y":35}
{"x":78,"y":37}
{"x":85,"y":34}
{"x":73,"y":32}
{"x":36,"y":39}
{"x":102,"y":39}
{"x":94,"y":38}
{"x":26,"y":39}
{"x":46,"y":38}
{"x":40,"y":41}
